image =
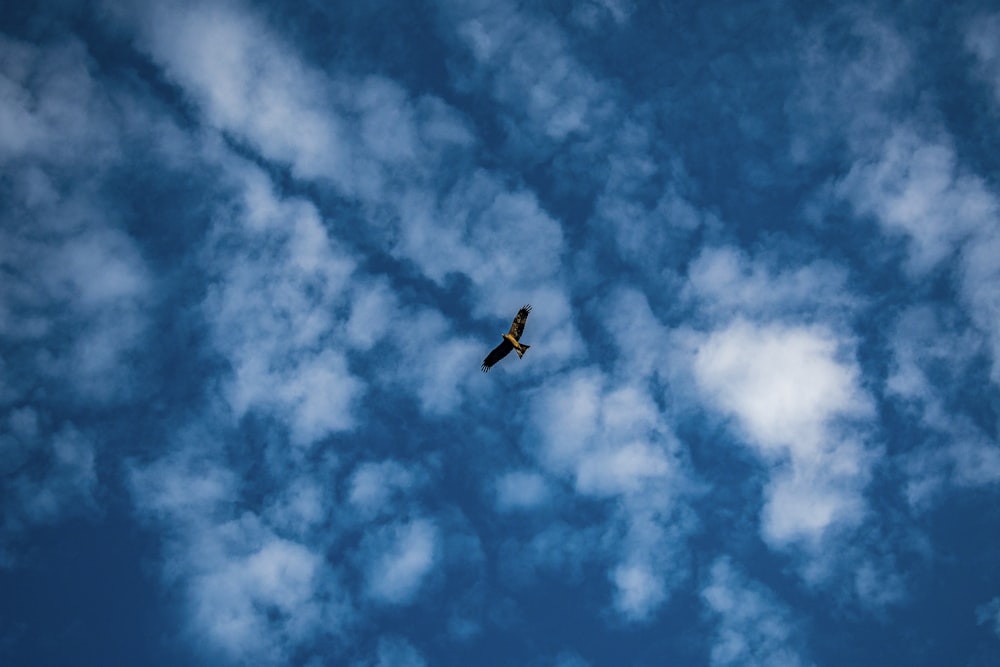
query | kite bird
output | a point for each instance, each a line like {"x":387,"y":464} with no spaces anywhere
{"x":510,"y":340}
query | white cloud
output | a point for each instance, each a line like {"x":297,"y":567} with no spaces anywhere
{"x":613,"y":443}
{"x":48,"y":476}
{"x":980,"y":40}
{"x":931,"y":356}
{"x":359,"y":134}
{"x":594,"y":14}
{"x":642,"y":342}
{"x":397,"y":652}
{"x":792,"y":390}
{"x":251,"y":593}
{"x":256,"y":595}
{"x":242,"y":77}
{"x":989,"y":614}
{"x":548,"y":95}
{"x":501,"y":239}
{"x":570,"y":659}
{"x":905,"y":172}
{"x":726,"y":282}
{"x":638,"y":589}
{"x":844,"y":93}
{"x":301,"y":508}
{"x":914,"y":187}
{"x":431,"y":362}
{"x":752,"y":626}
{"x":373,"y":487}
{"x":280,"y":277}
{"x":521,"y":490}
{"x":373,"y":313}
{"x":76,"y":286}
{"x":398,"y":559}
{"x":642,"y":204}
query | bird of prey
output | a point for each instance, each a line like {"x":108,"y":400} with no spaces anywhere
{"x":510,"y":340}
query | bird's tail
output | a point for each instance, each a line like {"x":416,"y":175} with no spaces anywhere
{"x":521,"y":349}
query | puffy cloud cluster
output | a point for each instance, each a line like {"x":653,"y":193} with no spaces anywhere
{"x":793,"y":393}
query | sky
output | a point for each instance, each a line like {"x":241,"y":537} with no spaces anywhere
{"x":253,"y":255}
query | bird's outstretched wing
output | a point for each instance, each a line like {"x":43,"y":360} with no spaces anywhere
{"x":517,"y":326}
{"x":498,"y":353}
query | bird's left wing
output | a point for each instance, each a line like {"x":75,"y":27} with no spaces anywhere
{"x":498,"y":353}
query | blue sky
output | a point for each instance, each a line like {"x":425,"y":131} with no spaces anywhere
{"x":254,"y":254}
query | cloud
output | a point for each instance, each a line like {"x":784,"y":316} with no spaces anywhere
{"x":643,"y":204}
{"x":374,"y":486}
{"x":77,"y":288}
{"x":396,"y":652}
{"x":914,"y":187}
{"x":856,"y":72}
{"x":398,"y":558}
{"x":724,"y":281}
{"x":250,"y":593}
{"x":989,"y":614}
{"x":978,"y":40}
{"x":794,"y":391}
{"x":359,"y":134}
{"x":752,"y":626}
{"x":276,"y":268}
{"x":613,"y":444}
{"x":931,"y":356}
{"x":48,"y":476}
{"x":905,"y":173}
{"x":239,"y":74}
{"x":594,"y":14}
{"x":498,"y":237}
{"x":547,"y":95}
{"x":521,"y":490}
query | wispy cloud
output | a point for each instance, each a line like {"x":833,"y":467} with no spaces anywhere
{"x":398,"y":559}
{"x":752,"y":626}
{"x":978,"y":41}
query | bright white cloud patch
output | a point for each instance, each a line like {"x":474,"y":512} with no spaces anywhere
{"x":791,"y":390}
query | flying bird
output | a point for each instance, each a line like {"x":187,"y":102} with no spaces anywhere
{"x":510,"y":340}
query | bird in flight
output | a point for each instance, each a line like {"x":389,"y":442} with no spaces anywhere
{"x":511,"y":340}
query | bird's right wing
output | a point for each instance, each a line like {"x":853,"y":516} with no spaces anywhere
{"x":498,"y":353}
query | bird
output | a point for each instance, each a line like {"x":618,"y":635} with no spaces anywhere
{"x":511,"y":340}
